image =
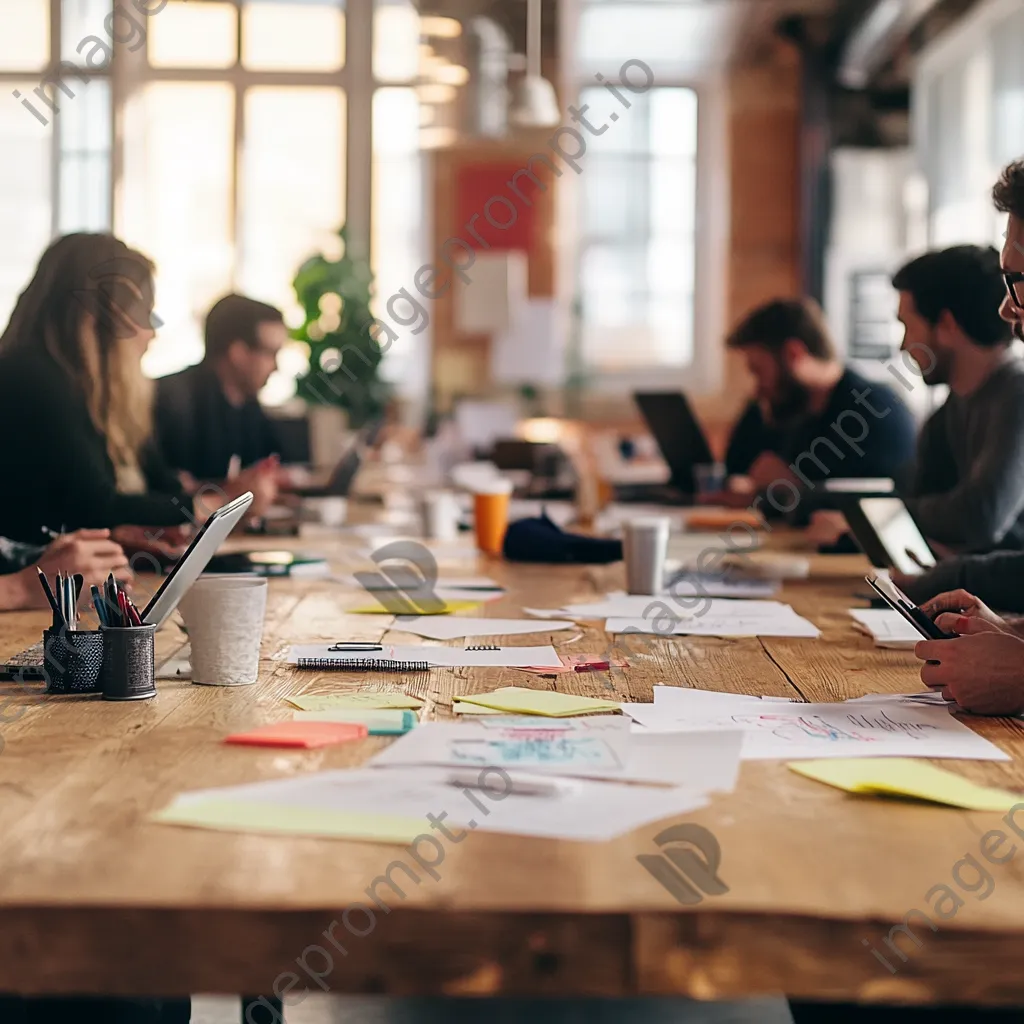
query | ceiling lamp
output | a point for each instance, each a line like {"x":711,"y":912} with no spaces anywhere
{"x":535,"y":104}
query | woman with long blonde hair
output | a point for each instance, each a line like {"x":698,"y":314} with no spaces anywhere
{"x":75,"y":406}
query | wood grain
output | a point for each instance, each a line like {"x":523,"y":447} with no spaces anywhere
{"x":94,"y":898}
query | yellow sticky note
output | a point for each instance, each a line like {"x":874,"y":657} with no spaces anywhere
{"x":241,"y":816}
{"x":905,"y":776}
{"x":460,"y":707}
{"x":366,"y":699}
{"x":444,"y":608}
{"x":520,"y":700}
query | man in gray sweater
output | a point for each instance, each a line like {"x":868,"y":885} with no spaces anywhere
{"x":967,"y":491}
{"x":997,"y":579}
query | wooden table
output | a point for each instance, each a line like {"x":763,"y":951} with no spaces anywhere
{"x":93,"y":898}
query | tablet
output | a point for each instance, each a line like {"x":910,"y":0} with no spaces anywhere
{"x":899,"y":602}
{"x":888,"y":535}
{"x":188,"y":568}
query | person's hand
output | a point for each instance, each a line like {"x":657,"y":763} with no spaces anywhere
{"x":263,"y":479}
{"x":167,"y":543}
{"x":89,"y":552}
{"x":767,"y":469}
{"x":957,"y":611}
{"x":982,"y":672}
{"x":826,"y":527}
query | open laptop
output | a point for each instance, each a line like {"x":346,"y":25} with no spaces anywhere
{"x":681,"y":441}
{"x":886,"y":532}
{"x":339,"y":484}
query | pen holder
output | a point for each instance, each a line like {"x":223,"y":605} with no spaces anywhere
{"x":129,"y":668}
{"x":72,"y":660}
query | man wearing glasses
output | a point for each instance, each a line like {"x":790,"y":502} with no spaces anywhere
{"x":208,"y":420}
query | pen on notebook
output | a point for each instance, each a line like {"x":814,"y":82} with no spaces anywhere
{"x":523,"y":785}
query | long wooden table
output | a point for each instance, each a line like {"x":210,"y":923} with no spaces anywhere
{"x":94,"y":898}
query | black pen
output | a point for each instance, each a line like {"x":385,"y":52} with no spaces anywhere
{"x":45,"y":583}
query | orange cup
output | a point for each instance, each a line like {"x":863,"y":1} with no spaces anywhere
{"x":490,"y":515}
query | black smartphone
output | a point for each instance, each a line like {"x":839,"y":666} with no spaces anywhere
{"x":898,"y":601}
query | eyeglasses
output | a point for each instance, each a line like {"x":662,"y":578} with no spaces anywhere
{"x":1015,"y":287}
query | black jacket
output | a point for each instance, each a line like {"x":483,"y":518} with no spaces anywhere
{"x":197,"y":429}
{"x":54,"y":464}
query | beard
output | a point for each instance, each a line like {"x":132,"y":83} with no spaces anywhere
{"x":790,"y":404}
{"x":938,"y":371}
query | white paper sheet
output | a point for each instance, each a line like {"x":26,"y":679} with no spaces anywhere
{"x":619,"y":605}
{"x":887,"y":628}
{"x":859,"y":729}
{"x":688,"y":585}
{"x":451,"y":627}
{"x":448,"y":657}
{"x":782,"y":624}
{"x":593,"y":812}
{"x":598,"y":747}
{"x":482,"y":583}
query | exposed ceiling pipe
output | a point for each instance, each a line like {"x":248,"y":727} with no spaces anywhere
{"x":877,"y":38}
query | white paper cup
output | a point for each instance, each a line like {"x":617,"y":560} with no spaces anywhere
{"x":330,"y":510}
{"x":644,"y":546}
{"x":440,"y":514}
{"x":224,"y":618}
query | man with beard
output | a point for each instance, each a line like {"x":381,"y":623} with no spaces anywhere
{"x":967,"y":490}
{"x":812,"y":419}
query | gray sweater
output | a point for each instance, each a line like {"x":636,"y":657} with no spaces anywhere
{"x":968,"y":484}
{"x":998,"y":579}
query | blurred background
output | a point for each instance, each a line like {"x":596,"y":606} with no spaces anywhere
{"x":769,"y":147}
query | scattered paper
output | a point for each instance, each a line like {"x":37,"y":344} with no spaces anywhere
{"x":524,"y":701}
{"x":547,"y":613}
{"x":887,"y":628}
{"x":462,"y":708}
{"x":898,"y":776}
{"x":456,"y":627}
{"x":597,"y":748}
{"x":690,"y":585}
{"x":382,"y":805}
{"x":439,"y":657}
{"x":365,"y":699}
{"x":784,"y":731}
{"x":729,"y":624}
{"x":441,"y":583}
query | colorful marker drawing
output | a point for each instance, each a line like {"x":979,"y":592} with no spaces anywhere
{"x":566,"y":752}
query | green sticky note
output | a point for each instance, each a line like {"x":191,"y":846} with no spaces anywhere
{"x":378,"y":721}
{"x":363,"y":699}
{"x":906,"y":776}
{"x":520,"y":700}
{"x":226,"y":815}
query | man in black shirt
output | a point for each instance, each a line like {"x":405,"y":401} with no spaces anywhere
{"x":812,"y":418}
{"x":208,"y":416}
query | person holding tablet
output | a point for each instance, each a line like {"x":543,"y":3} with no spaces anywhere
{"x":73,"y":394}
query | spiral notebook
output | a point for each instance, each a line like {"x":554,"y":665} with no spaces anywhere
{"x":321,"y":656}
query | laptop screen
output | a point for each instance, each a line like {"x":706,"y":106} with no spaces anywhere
{"x":679,"y":436}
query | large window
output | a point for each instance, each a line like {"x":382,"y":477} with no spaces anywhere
{"x":637,"y":191}
{"x":216,"y":142}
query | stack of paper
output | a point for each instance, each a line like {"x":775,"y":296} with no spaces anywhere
{"x":391,"y":806}
{"x":887,"y":628}
{"x":594,"y":748}
{"x":781,"y":730}
{"x":713,"y":617}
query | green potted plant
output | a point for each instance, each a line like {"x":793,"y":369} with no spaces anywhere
{"x":344,"y":356}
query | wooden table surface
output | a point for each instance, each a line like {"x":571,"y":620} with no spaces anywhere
{"x":94,"y":898}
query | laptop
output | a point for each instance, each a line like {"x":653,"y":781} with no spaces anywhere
{"x":344,"y":473}
{"x":886,"y":532}
{"x":681,"y":441}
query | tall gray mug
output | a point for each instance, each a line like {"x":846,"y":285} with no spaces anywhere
{"x":644,"y":546}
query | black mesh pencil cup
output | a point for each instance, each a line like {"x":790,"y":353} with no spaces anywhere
{"x":72,"y":660}
{"x":128,"y":663}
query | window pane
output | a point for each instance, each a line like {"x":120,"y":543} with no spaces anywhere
{"x":25,"y":37}
{"x":24,"y":197}
{"x":397,"y":249}
{"x":194,"y":34}
{"x":293,"y":36}
{"x":396,"y":38}
{"x":82,"y":24}
{"x":1008,"y":86}
{"x":85,"y":139}
{"x":177,"y":208}
{"x":293,"y":184}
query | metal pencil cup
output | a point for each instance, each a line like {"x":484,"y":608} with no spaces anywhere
{"x":129,"y":668}
{"x":72,"y":660}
